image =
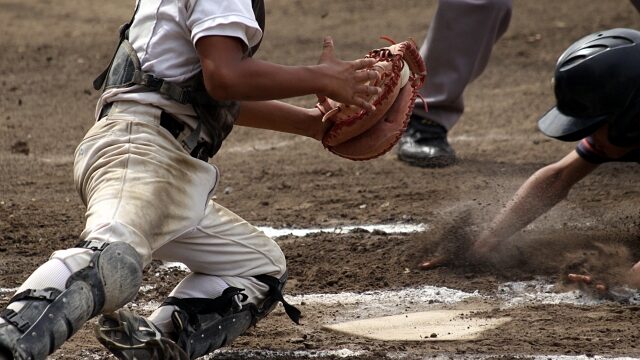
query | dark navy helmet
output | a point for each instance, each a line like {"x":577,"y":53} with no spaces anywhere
{"x":597,"y":80}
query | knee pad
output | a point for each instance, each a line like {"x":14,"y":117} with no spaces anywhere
{"x":114,"y":269}
{"x":114,"y":274}
{"x":110,"y":279}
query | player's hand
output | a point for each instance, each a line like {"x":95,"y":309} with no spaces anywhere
{"x":346,"y":81}
{"x":587,"y":282}
{"x":318,"y":127}
{"x":434,"y":262}
{"x":480,"y":252}
{"x":484,"y":247}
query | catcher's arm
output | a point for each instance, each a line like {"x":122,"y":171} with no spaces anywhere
{"x":228,"y":75}
{"x":283,"y":117}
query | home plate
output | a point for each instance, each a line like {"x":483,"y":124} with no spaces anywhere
{"x":435,"y":325}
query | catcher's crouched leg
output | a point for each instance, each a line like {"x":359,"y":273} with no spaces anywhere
{"x":200,"y":325}
{"x":50,"y":316}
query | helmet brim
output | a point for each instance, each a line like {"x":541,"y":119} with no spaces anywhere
{"x":567,"y":128}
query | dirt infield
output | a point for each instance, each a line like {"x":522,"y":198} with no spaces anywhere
{"x":52,"y":50}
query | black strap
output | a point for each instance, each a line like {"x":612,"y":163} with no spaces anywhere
{"x":124,"y":34}
{"x":173,"y":91}
{"x":199,"y":306}
{"x":223,"y":305}
{"x":94,"y":245}
{"x":48,"y":294}
{"x":15,"y":319}
{"x":274,"y":291}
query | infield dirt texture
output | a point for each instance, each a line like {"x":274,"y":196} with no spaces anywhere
{"x":52,"y":50}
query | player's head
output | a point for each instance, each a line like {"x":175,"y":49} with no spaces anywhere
{"x":597,"y":81}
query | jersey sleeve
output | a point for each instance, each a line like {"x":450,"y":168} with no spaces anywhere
{"x":589,"y":152}
{"x":233,"y":18}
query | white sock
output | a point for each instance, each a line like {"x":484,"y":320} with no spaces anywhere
{"x":161,"y":318}
{"x":52,"y":274}
{"x":197,"y":285}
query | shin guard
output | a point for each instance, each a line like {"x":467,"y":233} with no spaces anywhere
{"x":50,"y":316}
{"x":204,"y":325}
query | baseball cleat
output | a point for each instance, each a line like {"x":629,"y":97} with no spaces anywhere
{"x":132,"y":337}
{"x":426,"y":147}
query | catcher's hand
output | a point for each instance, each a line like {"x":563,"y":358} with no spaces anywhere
{"x":361,"y":134}
{"x":350,"y":82}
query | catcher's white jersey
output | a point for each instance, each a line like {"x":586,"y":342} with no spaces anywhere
{"x":164,"y":34}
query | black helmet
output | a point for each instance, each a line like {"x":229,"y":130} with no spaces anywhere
{"x":597,"y":79}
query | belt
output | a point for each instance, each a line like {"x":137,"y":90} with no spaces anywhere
{"x":174,"y":127}
{"x":167,"y":121}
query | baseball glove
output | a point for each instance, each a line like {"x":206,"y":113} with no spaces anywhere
{"x":358,"y":134}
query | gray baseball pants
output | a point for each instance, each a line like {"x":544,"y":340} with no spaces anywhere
{"x":456,"y":50}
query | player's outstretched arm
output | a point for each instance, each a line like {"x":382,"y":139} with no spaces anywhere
{"x":228,"y":75}
{"x":545,"y":188}
{"x":541,"y":192}
{"x":283,"y":117}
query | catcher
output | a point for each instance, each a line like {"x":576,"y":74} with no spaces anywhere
{"x":598,"y":103}
{"x":182,"y":76}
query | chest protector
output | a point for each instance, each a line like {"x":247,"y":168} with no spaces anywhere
{"x":214,"y":116}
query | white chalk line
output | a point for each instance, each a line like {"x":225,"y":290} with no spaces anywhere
{"x":424,"y":294}
{"x":347,"y":353}
{"x":387,"y":228}
{"x":303,"y":354}
{"x":580,"y":357}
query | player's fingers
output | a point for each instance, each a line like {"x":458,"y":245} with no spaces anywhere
{"x":433,"y":263}
{"x":367,"y":90}
{"x":327,"y":49}
{"x":602,"y":288}
{"x":363,"y":63}
{"x":366,"y":75}
{"x":578,"y":278}
{"x":360,"y":102}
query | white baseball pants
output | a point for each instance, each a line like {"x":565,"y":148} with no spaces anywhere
{"x":141,"y":187}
